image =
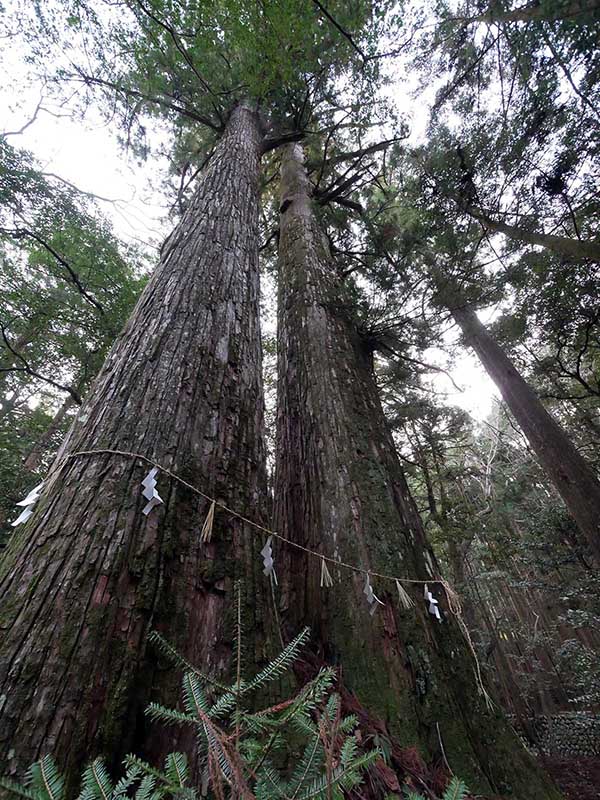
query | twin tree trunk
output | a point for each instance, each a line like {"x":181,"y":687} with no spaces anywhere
{"x":340,"y":491}
{"x":570,"y":473}
{"x":86,"y":579}
{"x":89,"y":576}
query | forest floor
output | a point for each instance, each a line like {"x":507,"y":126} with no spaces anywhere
{"x":578,"y":778}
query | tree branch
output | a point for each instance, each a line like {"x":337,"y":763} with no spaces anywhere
{"x":34,"y":374}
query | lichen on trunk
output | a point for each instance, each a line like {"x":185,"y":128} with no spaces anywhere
{"x":340,"y":490}
{"x":87,"y":578}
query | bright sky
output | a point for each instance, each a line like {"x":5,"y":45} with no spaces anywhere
{"x":87,"y":154}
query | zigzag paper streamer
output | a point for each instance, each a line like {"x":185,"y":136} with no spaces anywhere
{"x":28,"y":504}
{"x":267,"y":554}
{"x":432,"y":604}
{"x":149,"y":491}
{"x":372,"y":598}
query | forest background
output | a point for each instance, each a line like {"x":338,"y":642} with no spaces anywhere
{"x":476,"y":189}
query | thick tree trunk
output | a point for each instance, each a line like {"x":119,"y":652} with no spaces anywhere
{"x":562,"y":245}
{"x":340,"y":490}
{"x":87,"y":578}
{"x":572,"y":476}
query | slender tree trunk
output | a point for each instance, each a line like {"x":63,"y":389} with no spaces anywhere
{"x":34,"y":458}
{"x":562,"y":245}
{"x":578,"y":11}
{"x":87,"y":578}
{"x":572,"y":476}
{"x":340,"y":491}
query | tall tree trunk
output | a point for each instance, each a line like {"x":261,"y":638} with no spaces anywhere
{"x":572,"y":476}
{"x":562,"y":245}
{"x":580,"y":11}
{"x":340,"y":490}
{"x":34,"y":458}
{"x":88,"y":577}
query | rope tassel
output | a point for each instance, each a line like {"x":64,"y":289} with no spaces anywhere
{"x":206,"y":534}
{"x":326,"y":579}
{"x":404,"y":598}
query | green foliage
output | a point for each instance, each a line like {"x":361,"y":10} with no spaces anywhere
{"x":302,"y":748}
{"x":67,"y":285}
{"x":189,"y":63}
{"x":456,"y":790}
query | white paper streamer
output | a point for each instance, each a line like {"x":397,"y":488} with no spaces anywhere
{"x":432,"y":603}
{"x":149,"y":491}
{"x":372,"y":598}
{"x":28,"y":504}
{"x":267,"y":554}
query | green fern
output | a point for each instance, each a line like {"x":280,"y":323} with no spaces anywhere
{"x":237,"y":752}
{"x":15,"y":789}
{"x":45,"y":779}
{"x":96,"y":784}
{"x":280,"y":664}
{"x":456,"y":790}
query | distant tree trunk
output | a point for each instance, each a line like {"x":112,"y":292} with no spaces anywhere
{"x":87,"y":578}
{"x":572,"y":476}
{"x":340,"y":490}
{"x":34,"y":458}
{"x":578,"y":11}
{"x":562,"y":245}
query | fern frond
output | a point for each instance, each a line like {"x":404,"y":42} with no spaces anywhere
{"x":96,"y":782}
{"x":143,"y":768}
{"x":348,"y":751}
{"x":309,"y":767}
{"x":132,"y":774}
{"x":222,"y":706}
{"x":176,"y":769}
{"x":303,"y":724}
{"x":45,"y":779}
{"x":18,"y":789}
{"x":332,"y":707}
{"x":146,"y":788}
{"x":279,"y":664}
{"x":270,"y":785}
{"x":346,"y":778}
{"x":347,"y":724}
{"x":194,"y":698}
{"x":171,"y":716}
{"x":178,"y":660}
{"x":456,"y":790}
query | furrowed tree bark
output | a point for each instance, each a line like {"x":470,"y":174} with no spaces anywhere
{"x":570,"y":473}
{"x":340,"y":490}
{"x":562,"y":245}
{"x":89,"y":575}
